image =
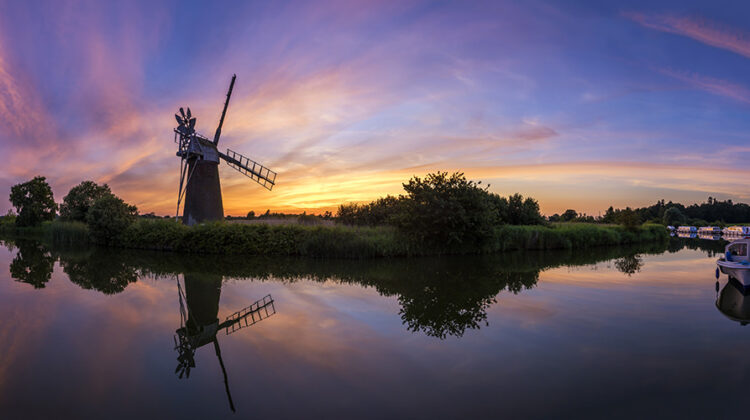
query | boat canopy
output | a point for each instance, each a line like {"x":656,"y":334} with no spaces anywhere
{"x":737,"y":250}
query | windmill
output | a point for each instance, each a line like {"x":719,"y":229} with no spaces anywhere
{"x":199,"y":168}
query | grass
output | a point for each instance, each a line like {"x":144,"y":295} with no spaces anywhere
{"x":336,"y":241}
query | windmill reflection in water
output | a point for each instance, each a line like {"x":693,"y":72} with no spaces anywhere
{"x":199,"y":322}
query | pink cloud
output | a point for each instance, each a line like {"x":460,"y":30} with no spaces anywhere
{"x":711,"y":84}
{"x":698,"y":28}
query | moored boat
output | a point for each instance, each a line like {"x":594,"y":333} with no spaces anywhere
{"x":736,"y":262}
{"x":709,"y":236}
{"x":736,"y":231}
{"x":687,"y":229}
{"x":709,"y":230}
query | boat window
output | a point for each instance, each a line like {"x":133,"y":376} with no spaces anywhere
{"x":739,"y":250}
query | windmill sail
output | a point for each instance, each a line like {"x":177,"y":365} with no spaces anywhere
{"x":251,"y":315}
{"x":250,"y":168}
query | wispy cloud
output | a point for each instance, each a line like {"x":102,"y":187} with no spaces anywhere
{"x":711,"y":84}
{"x":700,"y":29}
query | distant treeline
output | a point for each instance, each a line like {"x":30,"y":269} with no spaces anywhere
{"x":713,"y":211}
{"x":438,"y":214}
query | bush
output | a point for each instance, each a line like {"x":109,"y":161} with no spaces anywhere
{"x":443,"y":212}
{"x":108,"y":217}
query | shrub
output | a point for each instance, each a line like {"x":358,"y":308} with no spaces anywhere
{"x":447,"y":211}
{"x":108,"y":217}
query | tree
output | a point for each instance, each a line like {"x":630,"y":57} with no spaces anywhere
{"x":76,"y":204}
{"x":609,"y":215}
{"x":629,"y":218}
{"x":569,"y":215}
{"x":673,"y":217}
{"x":250,"y":215}
{"x":33,"y":201}
{"x":447,"y":211}
{"x":108,"y":217}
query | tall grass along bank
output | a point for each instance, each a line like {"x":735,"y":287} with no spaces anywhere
{"x":339,"y":241}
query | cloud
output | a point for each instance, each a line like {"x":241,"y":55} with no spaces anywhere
{"x":711,"y":85}
{"x":697,"y":28}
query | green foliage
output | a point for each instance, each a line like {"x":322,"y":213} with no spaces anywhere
{"x":363,"y":242}
{"x":33,"y":201}
{"x":673,"y":217}
{"x":515,"y":210}
{"x":629,"y":218}
{"x":157,"y":234}
{"x":80,"y":198}
{"x":447,"y":211}
{"x":108,"y":217}
{"x":8,"y":220}
{"x":67,"y":233}
{"x":568,"y":215}
{"x":383,"y":211}
{"x":444,"y":213}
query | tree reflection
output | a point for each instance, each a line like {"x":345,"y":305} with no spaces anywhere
{"x":452,"y":303}
{"x":630,"y":264}
{"x":438,"y":296}
{"x":99,"y":269}
{"x":32,"y":264}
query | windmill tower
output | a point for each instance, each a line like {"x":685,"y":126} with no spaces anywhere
{"x":199,"y":168}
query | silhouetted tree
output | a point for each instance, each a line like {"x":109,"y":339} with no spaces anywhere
{"x":80,"y":198}
{"x":569,"y":215}
{"x":673,"y":216}
{"x":33,"y":201}
{"x":108,"y":217}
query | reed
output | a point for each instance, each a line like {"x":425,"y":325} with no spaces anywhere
{"x":338,"y":241}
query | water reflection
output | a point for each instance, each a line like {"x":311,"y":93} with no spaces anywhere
{"x":439,"y":297}
{"x":630,"y":264}
{"x":656,"y":332}
{"x":32,"y":264}
{"x":98,"y":269}
{"x":733,"y":300}
{"x":199,"y":321}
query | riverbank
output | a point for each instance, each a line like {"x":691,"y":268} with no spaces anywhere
{"x":337,"y":241}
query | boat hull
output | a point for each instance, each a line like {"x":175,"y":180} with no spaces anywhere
{"x":736,"y":270}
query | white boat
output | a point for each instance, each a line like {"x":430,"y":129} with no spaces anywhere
{"x":709,"y":236}
{"x":687,"y":229}
{"x":736,"y":262}
{"x":736,"y":231}
{"x":709,"y":230}
{"x":671,"y":228}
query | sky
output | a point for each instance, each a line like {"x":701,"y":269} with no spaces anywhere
{"x":579,"y":104}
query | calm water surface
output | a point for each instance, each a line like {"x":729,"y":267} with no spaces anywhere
{"x":607,"y":333}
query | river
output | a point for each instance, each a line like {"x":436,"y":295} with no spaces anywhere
{"x":606,"y":333}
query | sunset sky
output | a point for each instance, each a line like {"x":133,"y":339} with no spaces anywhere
{"x":579,"y":104}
